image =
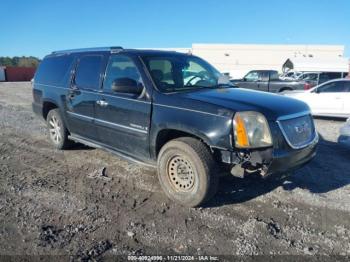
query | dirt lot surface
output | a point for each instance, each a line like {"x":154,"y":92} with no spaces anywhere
{"x":55,"y":203}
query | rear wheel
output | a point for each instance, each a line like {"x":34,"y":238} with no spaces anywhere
{"x":186,"y":171}
{"x":58,"y":132}
{"x":285,"y":89}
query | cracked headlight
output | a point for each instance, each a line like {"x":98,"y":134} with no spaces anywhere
{"x":251,"y":130}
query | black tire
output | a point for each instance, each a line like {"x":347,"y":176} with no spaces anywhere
{"x":200,"y":182}
{"x":60,"y":138}
{"x":285,"y":89}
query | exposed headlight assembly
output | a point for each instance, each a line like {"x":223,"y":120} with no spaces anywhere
{"x":251,"y":130}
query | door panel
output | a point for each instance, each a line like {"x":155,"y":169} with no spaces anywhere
{"x":124,"y":124}
{"x":83,"y":94}
{"x":328,"y":99}
{"x":263,"y":86}
{"x":346,"y":99}
{"x":80,"y":112}
{"x":123,"y":119}
{"x":249,"y":84}
{"x":325,"y":103}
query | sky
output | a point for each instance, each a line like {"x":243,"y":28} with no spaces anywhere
{"x":38,"y":27}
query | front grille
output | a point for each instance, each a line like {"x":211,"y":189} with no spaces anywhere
{"x":299,"y":131}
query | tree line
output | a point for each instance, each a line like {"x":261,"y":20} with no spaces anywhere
{"x":20,"y":61}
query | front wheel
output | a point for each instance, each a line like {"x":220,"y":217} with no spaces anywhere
{"x":186,"y":171}
{"x":58,"y":132}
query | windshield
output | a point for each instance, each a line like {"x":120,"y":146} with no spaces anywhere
{"x":173,"y":73}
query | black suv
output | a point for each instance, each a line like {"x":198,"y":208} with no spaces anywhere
{"x":172,"y":111}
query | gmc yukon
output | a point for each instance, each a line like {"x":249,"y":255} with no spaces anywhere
{"x":171,"y":111}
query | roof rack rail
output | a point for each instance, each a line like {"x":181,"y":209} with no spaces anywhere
{"x":111,"y":49}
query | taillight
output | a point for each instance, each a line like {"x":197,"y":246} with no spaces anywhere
{"x":307,"y":86}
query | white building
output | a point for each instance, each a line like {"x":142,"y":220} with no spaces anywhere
{"x":238,"y":59}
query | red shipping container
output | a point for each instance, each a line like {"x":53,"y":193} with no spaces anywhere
{"x":14,"y":74}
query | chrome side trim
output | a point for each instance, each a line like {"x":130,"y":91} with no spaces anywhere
{"x":80,"y":116}
{"x":130,"y":99}
{"x":186,"y":109}
{"x":111,"y":124}
{"x":105,"y":123}
{"x":291,"y":116}
{"x":60,"y":87}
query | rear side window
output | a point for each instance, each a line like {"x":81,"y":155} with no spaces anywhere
{"x":54,"y":70}
{"x":334,"y":87}
{"x":324,"y":77}
{"x":273,"y":75}
{"x":88,"y":72}
{"x":310,"y":77}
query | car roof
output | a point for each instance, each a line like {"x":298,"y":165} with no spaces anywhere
{"x":339,"y":79}
{"x":119,"y":49}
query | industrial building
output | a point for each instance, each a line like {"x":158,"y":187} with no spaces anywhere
{"x":238,"y":59}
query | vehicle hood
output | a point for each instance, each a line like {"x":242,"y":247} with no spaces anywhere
{"x":270,"y":105}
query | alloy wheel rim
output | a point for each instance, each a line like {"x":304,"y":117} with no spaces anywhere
{"x":55,"y":130}
{"x":180,"y":174}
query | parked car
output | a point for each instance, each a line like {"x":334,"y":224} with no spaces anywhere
{"x":317,"y":78}
{"x":291,"y":75}
{"x":328,"y":99}
{"x":172,"y":111}
{"x":268,"y":81}
{"x":344,"y":137}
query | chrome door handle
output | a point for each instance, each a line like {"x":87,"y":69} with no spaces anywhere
{"x":101,"y":103}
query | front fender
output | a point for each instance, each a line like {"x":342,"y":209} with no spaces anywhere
{"x":214,"y":130}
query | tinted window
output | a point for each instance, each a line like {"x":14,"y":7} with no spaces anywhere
{"x":120,"y":66}
{"x":309,"y":77}
{"x":173,"y":73}
{"x":252,"y":76}
{"x":54,"y":70}
{"x":162,"y":70}
{"x":88,"y":72}
{"x":334,"y":87}
{"x":324,"y":77}
{"x":273,"y":75}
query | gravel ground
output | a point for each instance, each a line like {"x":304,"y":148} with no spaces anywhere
{"x":55,"y":203}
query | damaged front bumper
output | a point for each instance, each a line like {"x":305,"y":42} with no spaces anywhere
{"x":270,"y":161}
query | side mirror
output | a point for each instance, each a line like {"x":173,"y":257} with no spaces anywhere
{"x":244,"y":79}
{"x":126,"y":85}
